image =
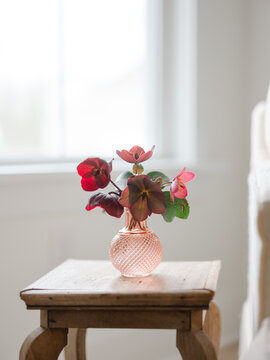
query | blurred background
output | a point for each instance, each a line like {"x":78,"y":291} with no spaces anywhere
{"x":84,"y":78}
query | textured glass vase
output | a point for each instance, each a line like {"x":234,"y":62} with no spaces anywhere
{"x":135,"y":250}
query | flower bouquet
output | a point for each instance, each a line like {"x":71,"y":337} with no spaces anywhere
{"x":135,"y":250}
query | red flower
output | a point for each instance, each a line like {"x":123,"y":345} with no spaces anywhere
{"x":143,"y":197}
{"x":136,"y":154}
{"x":95,"y":173}
{"x":108,"y":202}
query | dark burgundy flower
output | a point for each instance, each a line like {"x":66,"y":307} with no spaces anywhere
{"x":95,"y":173}
{"x":143,"y":197}
{"x":109,"y":202}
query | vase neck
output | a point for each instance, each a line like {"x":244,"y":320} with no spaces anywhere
{"x":133,"y":225}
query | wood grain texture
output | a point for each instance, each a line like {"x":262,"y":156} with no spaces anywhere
{"x":75,"y":349}
{"x":43,"y":344}
{"x":97,"y":283}
{"x":128,"y":319}
{"x":195,"y":345}
{"x":212,"y":325}
{"x":80,"y":294}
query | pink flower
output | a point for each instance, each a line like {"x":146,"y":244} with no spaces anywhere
{"x":135,"y":155}
{"x":178,"y":188}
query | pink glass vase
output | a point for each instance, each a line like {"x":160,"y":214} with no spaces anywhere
{"x":135,"y":250}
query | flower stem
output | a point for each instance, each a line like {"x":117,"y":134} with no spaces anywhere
{"x":113,"y":192}
{"x":166,"y":183}
{"x":115,"y":186}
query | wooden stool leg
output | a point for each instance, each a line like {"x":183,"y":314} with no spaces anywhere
{"x":202,"y":340}
{"x":44,"y":344}
{"x":195,"y":345}
{"x":212,"y":325}
{"x":75,"y":349}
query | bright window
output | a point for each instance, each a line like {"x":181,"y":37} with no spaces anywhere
{"x":83,"y":77}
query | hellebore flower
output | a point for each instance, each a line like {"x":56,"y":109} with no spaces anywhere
{"x":178,"y":188}
{"x":135,"y":155}
{"x":95,"y":173}
{"x":109,"y":202}
{"x":143,"y":197}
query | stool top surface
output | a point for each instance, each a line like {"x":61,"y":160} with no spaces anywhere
{"x":80,"y":283}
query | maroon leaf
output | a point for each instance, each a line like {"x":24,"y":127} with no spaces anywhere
{"x":109,"y":202}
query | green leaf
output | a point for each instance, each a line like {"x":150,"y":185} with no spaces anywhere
{"x":169,"y":214}
{"x":179,"y":208}
{"x":157,"y":174}
{"x":122,"y":179}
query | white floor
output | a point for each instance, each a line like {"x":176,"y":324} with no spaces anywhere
{"x":227,"y":353}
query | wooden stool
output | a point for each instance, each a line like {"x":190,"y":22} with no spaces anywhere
{"x":82,"y":294}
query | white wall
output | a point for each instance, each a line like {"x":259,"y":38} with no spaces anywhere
{"x":43,"y":222}
{"x":42,"y":217}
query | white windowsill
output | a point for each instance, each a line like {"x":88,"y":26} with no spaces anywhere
{"x":161,"y":164}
